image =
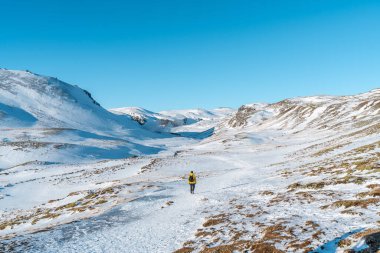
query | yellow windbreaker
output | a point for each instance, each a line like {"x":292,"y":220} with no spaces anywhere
{"x":194,"y":178}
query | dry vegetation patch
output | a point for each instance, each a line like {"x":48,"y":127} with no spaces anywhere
{"x":329,"y":149}
{"x":373,"y":193}
{"x":213,"y":222}
{"x":150,"y":166}
{"x":243,"y":246}
{"x":184,"y":250}
{"x":363,"y":203}
{"x":265,"y":193}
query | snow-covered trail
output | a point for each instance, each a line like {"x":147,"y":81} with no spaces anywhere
{"x":139,"y":226}
{"x":159,"y":220}
{"x":248,"y":185}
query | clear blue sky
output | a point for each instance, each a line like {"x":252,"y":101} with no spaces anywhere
{"x":196,"y":53}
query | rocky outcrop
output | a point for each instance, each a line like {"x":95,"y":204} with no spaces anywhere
{"x":241,"y":117}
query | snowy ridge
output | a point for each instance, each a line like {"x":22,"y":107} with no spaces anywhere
{"x":54,"y":103}
{"x":311,"y":112}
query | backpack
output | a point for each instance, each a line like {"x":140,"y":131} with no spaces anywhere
{"x":191,"y":178}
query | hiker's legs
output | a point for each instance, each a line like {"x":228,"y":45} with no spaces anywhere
{"x":192,"y":187}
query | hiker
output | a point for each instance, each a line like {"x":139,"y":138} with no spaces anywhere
{"x":192,"y":181}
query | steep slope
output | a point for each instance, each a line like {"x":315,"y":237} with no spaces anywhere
{"x":49,"y":102}
{"x":45,"y":119}
{"x":15,"y":117}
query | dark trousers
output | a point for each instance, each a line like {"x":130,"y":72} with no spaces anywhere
{"x":192,"y":188}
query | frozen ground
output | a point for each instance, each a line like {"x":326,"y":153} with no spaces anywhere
{"x":301,"y":175}
{"x":249,"y":185}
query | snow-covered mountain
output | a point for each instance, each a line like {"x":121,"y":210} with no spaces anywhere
{"x":175,"y":120}
{"x":300,"y":175}
{"x":45,"y":119}
{"x":31,"y":100}
{"x":319,"y":112}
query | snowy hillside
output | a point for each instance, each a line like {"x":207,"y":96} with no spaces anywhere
{"x":46,"y":120}
{"x":39,"y":101}
{"x":312,"y":112}
{"x":300,"y":175}
{"x":176,"y":120}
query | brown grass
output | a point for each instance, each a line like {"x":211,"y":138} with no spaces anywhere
{"x":67,"y":206}
{"x":276,"y":232}
{"x":347,"y":179}
{"x":297,"y":246}
{"x":328,"y":150}
{"x":305,"y":196}
{"x":373,"y":186}
{"x":317,"y":234}
{"x":350,"y":179}
{"x":267,"y":193}
{"x":350,"y":212}
{"x":213,"y":222}
{"x":221,"y":249}
{"x":365,"y":233}
{"x":46,"y":216}
{"x":243,"y":246}
{"x":202,"y":233}
{"x":367,"y":148}
{"x":73,"y":194}
{"x":373,"y":193}
{"x":264,"y":248}
{"x":184,"y":250}
{"x":312,"y":224}
{"x":344,"y":243}
{"x":101,"y":201}
{"x":356,"y":203}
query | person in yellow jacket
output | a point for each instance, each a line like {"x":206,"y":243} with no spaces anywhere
{"x":192,"y":181}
